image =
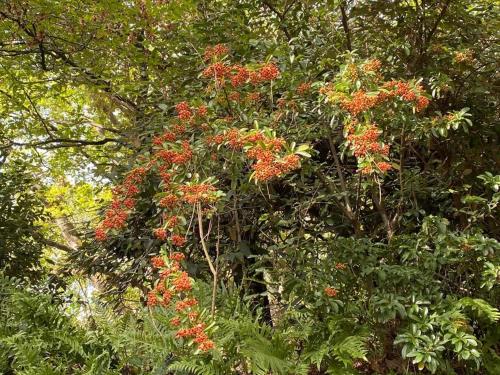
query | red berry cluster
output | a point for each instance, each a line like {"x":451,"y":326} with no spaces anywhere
{"x":359,"y":102}
{"x":197,"y":193}
{"x":238,"y":75}
{"x":404,"y":91}
{"x":372,"y":65}
{"x":304,"y":88}
{"x":174,"y":289}
{"x":123,"y":201}
{"x":331,"y":292}
{"x":217,"y":51}
{"x":366,"y":145}
{"x":263,"y":149}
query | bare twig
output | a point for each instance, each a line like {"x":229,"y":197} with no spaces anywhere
{"x":213,"y":268}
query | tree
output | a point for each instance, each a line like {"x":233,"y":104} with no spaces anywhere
{"x":21,"y":212}
{"x":320,"y":177}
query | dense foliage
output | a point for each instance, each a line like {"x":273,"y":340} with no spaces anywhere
{"x":249,"y":187}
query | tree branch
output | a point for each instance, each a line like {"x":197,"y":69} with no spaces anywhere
{"x":379,"y":205}
{"x":347,"y":212}
{"x":63,"y":143}
{"x":281,"y":17}
{"x":345,"y":25}
{"x":436,"y":24}
{"x":45,"y":241}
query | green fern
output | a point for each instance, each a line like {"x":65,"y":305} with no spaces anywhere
{"x":38,"y":338}
{"x":350,"y":349}
{"x":189,"y":367}
{"x":264,"y":356}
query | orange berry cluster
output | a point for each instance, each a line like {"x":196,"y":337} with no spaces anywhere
{"x":370,"y":151}
{"x":174,"y":154}
{"x":331,"y":292}
{"x":466,"y":56}
{"x":340,"y":266}
{"x":174,"y":289}
{"x":366,"y":145}
{"x":267,"y":168}
{"x":359,"y":102}
{"x":304,"y":88}
{"x":366,"y":141}
{"x":263,"y":149}
{"x":197,"y":193}
{"x":165,"y":137}
{"x":160,"y":233}
{"x":238,"y":75}
{"x":189,"y":115}
{"x":123,"y":201}
{"x":180,"y":157}
{"x":404,"y":91}
{"x":217,"y":51}
{"x":169,"y":201}
{"x":168,"y":157}
{"x":372,"y":65}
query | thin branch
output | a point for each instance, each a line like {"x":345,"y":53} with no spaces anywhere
{"x":62,"y":143}
{"x":202,"y":240}
{"x":48,"y":127}
{"x":237,"y":219}
{"x":106,"y":86}
{"x":214,"y":286}
{"x":331,"y":188}
{"x":338,"y":167}
{"x":213,"y":268}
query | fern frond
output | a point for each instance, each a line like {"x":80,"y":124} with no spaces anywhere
{"x":189,"y":367}
{"x":480,"y":307}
